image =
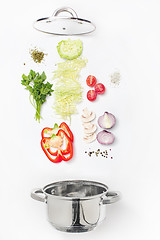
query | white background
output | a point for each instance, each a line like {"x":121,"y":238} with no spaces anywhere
{"x":128,"y":39}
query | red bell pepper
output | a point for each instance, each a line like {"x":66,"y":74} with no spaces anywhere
{"x":60,"y":154}
{"x":45,"y":130}
{"x":62,"y":126}
{"x":66,"y":128}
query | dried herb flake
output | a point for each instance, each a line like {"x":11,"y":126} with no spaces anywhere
{"x":37,"y":55}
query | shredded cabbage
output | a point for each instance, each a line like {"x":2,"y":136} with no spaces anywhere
{"x":68,"y":90}
{"x":70,"y":68}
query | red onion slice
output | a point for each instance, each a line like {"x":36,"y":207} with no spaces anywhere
{"x":105,"y":137}
{"x":107,"y":120}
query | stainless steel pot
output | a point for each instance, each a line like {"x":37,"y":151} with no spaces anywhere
{"x":75,"y":206}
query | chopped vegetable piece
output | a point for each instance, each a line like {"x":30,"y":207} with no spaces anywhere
{"x":107,"y":120}
{"x":70,"y":69}
{"x":99,"y":88}
{"x":89,"y":128}
{"x":70,"y":49}
{"x":68,"y":90}
{"x":50,"y":131}
{"x":91,"y":95}
{"x":39,"y":90}
{"x":60,"y":137}
{"x":87,"y":116}
{"x":89,"y":138}
{"x":67,"y":130}
{"x":104,"y":137}
{"x":60,"y":154}
{"x":91,"y":81}
{"x":54,"y":130}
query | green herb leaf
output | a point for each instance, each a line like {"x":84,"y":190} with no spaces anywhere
{"x":39,"y":90}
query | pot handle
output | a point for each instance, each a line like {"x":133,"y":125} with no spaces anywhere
{"x":111,"y":197}
{"x":36,"y":194}
{"x":65,"y":9}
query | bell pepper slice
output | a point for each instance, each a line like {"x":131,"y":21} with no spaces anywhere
{"x":67,"y":141}
{"x":69,"y":154}
{"x":46,"y":147}
{"x":69,"y":146}
{"x":60,"y":154}
{"x":45,"y":131}
{"x":57,"y":158}
{"x":66,"y":128}
{"x":51,"y":131}
{"x":62,"y":126}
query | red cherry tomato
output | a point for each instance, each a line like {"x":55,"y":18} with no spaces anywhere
{"x":91,"y":81}
{"x":99,"y":88}
{"x":91,"y":95}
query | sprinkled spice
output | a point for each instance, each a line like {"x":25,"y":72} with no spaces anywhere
{"x":37,"y":55}
{"x":98,"y":153}
{"x":115,"y":79}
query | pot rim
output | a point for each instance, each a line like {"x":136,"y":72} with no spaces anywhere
{"x":76,"y":198}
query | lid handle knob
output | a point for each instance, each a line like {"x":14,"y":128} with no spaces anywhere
{"x":65,"y":9}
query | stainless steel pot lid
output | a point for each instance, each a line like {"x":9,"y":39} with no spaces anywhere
{"x":64,"y":25}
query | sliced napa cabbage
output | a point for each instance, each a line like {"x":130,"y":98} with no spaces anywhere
{"x":68,"y":90}
{"x":67,"y":94}
{"x":70,"y":68}
{"x":70,"y":49}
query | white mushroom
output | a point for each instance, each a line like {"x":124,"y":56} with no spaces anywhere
{"x":87,"y":124}
{"x":86,"y":112}
{"x":88,"y":134}
{"x":90,"y":129}
{"x":90,"y":138}
{"x":87,"y":116}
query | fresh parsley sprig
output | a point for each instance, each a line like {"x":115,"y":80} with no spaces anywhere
{"x":39,"y":90}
